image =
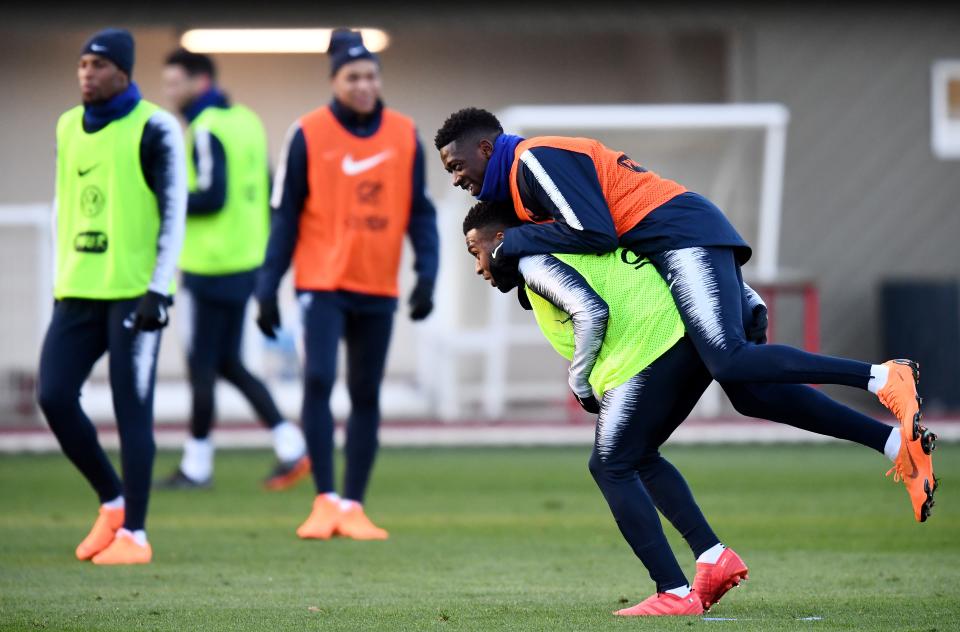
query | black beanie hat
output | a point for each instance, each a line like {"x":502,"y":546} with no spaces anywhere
{"x":114,"y":44}
{"x":347,"y":46}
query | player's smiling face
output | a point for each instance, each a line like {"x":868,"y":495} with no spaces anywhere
{"x":480,"y":243}
{"x":466,"y":160}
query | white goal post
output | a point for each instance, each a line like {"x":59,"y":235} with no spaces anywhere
{"x":451,"y":341}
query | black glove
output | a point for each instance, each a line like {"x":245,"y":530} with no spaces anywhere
{"x":421,"y":299}
{"x":757,"y":331}
{"x":151,"y":313}
{"x":522,"y":297}
{"x":268,"y":320}
{"x":504,"y":270}
{"x":589,"y":403}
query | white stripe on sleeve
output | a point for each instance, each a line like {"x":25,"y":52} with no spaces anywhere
{"x":173,"y":214}
{"x":276,"y":195}
{"x":546,"y":182}
{"x":201,"y":139}
{"x":563,"y":286}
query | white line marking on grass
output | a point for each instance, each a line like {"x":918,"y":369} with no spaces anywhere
{"x":718,"y":619}
{"x":752,"y":619}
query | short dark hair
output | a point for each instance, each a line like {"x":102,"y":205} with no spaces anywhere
{"x":193,"y":63}
{"x":490,"y":214}
{"x":464,"y":122}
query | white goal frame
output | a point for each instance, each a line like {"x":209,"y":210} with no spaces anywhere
{"x":449,"y":341}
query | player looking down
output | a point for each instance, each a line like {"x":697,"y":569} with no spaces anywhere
{"x":349,"y":188}
{"x":613,"y":317}
{"x":574,"y":195}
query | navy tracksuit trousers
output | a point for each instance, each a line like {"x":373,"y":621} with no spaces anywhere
{"x":80,"y":332}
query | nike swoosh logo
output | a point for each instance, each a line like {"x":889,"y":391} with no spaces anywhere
{"x":97,"y":47}
{"x":493,"y":255}
{"x":352,"y":167}
{"x":83,"y":172}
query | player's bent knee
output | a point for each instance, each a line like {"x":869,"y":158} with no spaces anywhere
{"x":595,"y":465}
{"x":320,"y":383}
{"x":648,"y":460}
{"x":202,"y":378}
{"x":139,"y":443}
{"x":745,"y":404}
{"x":751,"y":400}
{"x":726,"y":365}
{"x":723,"y":370}
{"x":233,"y":370}
{"x":53,"y":400}
{"x":606,"y":469}
{"x":364,"y":397}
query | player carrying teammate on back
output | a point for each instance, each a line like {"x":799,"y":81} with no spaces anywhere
{"x":577,"y":196}
{"x":613,"y":317}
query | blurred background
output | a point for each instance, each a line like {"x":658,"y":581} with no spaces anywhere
{"x":830,"y":135}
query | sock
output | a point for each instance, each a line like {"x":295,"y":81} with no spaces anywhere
{"x":711,"y":555}
{"x":288,"y":441}
{"x":334,"y":496}
{"x":681,"y":592}
{"x":139,"y":536}
{"x":878,"y":377}
{"x":197,"y":461}
{"x":892,"y":447}
{"x":347,"y":504}
{"x":116,"y":503}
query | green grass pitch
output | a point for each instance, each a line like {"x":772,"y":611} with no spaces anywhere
{"x":487,"y":539}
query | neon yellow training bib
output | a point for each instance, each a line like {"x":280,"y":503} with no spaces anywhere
{"x":233,"y":239}
{"x":643,"y":323}
{"x":108,"y":219}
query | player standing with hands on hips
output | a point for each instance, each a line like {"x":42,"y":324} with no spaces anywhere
{"x":349,"y":186}
{"x":120,"y":208}
{"x":228,"y":219}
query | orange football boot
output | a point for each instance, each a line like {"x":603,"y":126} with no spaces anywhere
{"x":914,"y":466}
{"x":124,"y":550}
{"x":900,"y":396}
{"x":102,"y":533}
{"x":712,"y":581}
{"x":322,"y":520}
{"x":665,"y":604}
{"x":355,"y":524}
{"x":286,"y":475}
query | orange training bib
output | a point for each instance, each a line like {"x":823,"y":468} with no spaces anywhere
{"x":358,"y":205}
{"x":630,"y":190}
